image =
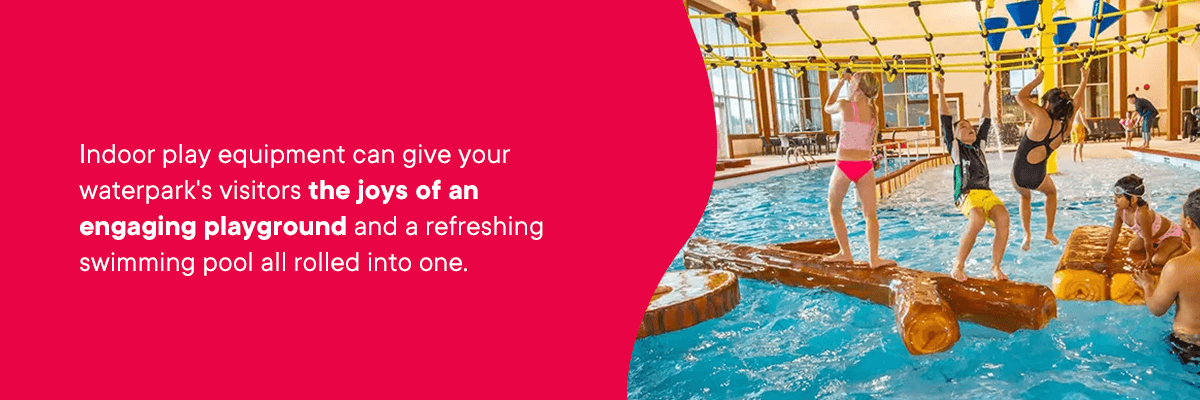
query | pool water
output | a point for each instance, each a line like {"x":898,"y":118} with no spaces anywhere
{"x":892,"y":164}
{"x":786,"y":342}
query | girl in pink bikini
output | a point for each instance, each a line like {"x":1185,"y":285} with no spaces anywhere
{"x":1161,"y":239}
{"x":854,"y":162}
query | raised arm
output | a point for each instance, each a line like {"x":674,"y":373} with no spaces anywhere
{"x":1083,"y":79}
{"x":941,"y":88}
{"x":833,"y":105}
{"x":1023,"y":96}
{"x":945,"y":120}
{"x":987,"y":101}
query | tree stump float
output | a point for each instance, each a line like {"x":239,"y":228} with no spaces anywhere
{"x":689,"y":297}
{"x":927,"y":304}
{"x":1084,"y":273}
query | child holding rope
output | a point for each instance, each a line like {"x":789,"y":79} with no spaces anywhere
{"x":854,"y":162}
{"x":1051,"y":121}
{"x":972,"y":191}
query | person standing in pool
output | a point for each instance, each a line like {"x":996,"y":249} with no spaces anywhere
{"x":972,"y":191}
{"x":1179,"y":284}
{"x":1146,"y":116}
{"x":1051,"y":121}
{"x":854,"y":162}
{"x":1079,"y":134}
{"x":1156,"y":235}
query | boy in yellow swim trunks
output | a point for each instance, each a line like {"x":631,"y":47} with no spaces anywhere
{"x":1079,"y":132}
{"x":972,"y":191}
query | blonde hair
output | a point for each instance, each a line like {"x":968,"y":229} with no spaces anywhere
{"x":868,"y":83}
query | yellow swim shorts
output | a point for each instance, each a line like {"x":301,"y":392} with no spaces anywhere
{"x":1078,"y":134}
{"x":983,"y":200}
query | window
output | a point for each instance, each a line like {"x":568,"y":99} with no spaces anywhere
{"x":1010,"y":84}
{"x":1095,"y":100}
{"x":733,"y":91}
{"x":798,"y":102}
{"x":906,"y":99}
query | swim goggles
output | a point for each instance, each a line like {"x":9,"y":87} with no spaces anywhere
{"x":1121,"y":190}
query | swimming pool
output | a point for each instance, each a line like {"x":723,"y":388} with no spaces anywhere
{"x":786,"y":342}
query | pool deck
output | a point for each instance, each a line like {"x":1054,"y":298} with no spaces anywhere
{"x":1116,"y":150}
{"x":1104,"y":150}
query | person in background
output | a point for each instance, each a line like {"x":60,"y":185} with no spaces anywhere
{"x":1147,"y":116}
{"x":1079,"y":134}
{"x":1129,"y":124}
{"x":1190,"y":122}
{"x":1179,"y":284}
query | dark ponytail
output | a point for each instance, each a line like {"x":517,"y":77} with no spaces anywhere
{"x":1058,"y":104}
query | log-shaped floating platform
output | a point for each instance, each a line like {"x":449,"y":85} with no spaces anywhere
{"x":1084,"y":273}
{"x":694,"y":296}
{"x":927,"y":304}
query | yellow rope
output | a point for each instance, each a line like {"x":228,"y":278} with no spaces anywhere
{"x":986,"y":46}
{"x":816,"y":43}
{"x":1062,"y":58}
{"x":872,"y":40}
{"x":947,"y":34}
{"x":770,"y":61}
{"x":827,"y":9}
{"x":1145,"y":39}
{"x":937,"y":60}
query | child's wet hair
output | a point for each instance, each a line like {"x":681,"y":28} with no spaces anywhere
{"x":1191,"y":207}
{"x":1058,"y":104}
{"x":868,"y":83}
{"x":1133,"y":185}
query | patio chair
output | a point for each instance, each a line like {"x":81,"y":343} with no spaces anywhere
{"x":822,"y":143}
{"x":769,"y":145}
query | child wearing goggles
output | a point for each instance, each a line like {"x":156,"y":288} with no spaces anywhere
{"x":1161,"y":239}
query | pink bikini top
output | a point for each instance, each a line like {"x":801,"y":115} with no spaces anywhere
{"x":1138,"y":229}
{"x":857,"y":135}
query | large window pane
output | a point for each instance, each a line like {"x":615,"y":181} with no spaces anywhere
{"x":906,"y":98}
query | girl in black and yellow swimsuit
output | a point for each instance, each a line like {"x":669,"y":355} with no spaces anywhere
{"x":1051,"y":122}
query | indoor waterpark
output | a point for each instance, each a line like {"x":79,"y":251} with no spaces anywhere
{"x":939,"y":199}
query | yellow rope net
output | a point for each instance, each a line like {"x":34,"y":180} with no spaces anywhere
{"x":797,"y":65}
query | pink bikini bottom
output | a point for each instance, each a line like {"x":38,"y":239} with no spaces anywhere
{"x":855,"y":170}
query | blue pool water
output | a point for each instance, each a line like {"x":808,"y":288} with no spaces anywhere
{"x":785,"y":342}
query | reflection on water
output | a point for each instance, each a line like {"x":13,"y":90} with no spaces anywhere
{"x":784,"y":342}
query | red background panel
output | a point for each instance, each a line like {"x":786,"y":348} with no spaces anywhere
{"x":605,"y":107}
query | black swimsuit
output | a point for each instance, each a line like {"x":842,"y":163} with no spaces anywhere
{"x":1030,"y":176}
{"x":1187,"y":352}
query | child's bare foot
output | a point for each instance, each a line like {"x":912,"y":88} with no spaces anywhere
{"x":958,"y":274}
{"x":1053,"y":239}
{"x":840,"y":257}
{"x":996,"y":272}
{"x":879,"y":262}
{"x":1025,"y":243}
